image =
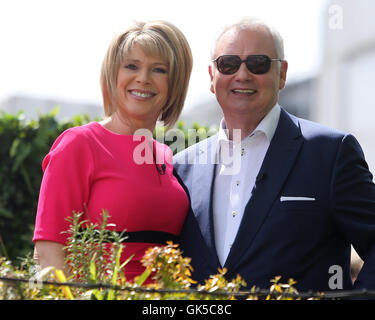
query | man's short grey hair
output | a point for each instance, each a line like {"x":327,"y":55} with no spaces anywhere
{"x":252,"y":23}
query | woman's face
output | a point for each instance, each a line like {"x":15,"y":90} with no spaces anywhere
{"x":142,"y":86}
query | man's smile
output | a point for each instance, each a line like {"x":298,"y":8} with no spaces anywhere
{"x":244,"y":91}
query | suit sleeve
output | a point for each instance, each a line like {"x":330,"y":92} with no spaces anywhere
{"x":354,"y":206}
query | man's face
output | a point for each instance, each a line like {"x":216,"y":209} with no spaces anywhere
{"x":243,"y":92}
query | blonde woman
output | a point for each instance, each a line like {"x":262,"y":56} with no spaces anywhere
{"x":145,"y":76}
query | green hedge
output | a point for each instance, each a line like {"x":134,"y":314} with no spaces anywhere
{"x":24,"y":143}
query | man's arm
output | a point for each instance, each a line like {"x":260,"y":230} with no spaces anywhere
{"x":353,"y":200}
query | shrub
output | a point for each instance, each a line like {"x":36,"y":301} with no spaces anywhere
{"x":24,"y":143}
{"x":92,"y":279}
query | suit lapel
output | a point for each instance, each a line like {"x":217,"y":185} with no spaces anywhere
{"x":276,"y":166}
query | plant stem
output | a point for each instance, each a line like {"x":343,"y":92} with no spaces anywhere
{"x":3,"y":248}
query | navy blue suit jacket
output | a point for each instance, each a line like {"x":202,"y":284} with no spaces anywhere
{"x":293,"y":239}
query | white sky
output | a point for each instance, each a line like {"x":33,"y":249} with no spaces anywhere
{"x":55,"y":48}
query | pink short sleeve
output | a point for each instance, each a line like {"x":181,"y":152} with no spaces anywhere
{"x":65,"y":187}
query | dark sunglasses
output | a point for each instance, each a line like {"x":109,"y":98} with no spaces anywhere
{"x":257,"y":64}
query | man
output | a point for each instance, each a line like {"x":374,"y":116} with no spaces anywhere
{"x":293,"y":196}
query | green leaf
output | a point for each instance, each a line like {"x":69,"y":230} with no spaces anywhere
{"x":54,"y":112}
{"x":111,"y":293}
{"x":97,"y":295}
{"x":117,"y":266}
{"x":126,"y":261}
{"x":93,"y":269}
{"x":14,"y":148}
{"x":143,"y":277}
{"x":21,"y":155}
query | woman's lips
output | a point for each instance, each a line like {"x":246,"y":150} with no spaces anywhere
{"x":143,"y":94}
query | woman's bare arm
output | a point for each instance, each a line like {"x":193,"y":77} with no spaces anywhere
{"x":49,"y":253}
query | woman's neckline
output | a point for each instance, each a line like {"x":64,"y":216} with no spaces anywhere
{"x":127,"y":136}
{"x":103,"y":128}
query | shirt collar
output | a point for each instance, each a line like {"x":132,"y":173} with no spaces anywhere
{"x":267,"y":125}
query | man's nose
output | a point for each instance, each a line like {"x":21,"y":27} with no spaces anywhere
{"x":243,"y":74}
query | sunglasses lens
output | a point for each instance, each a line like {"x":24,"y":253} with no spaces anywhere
{"x":258,"y":64}
{"x":228,"y":64}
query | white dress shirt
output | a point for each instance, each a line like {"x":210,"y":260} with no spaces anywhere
{"x":232,"y":188}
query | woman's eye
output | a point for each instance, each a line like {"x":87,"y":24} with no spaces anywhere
{"x":160,"y":70}
{"x":131,"y":66}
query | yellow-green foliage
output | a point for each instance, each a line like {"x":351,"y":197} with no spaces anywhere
{"x":96,"y":273}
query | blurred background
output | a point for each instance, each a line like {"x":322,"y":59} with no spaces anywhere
{"x":51,"y":54}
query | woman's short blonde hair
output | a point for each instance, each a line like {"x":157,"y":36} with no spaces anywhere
{"x":159,"y":39}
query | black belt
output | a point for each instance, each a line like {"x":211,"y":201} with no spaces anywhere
{"x":159,"y":237}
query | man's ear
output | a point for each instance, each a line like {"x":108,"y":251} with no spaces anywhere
{"x":283,"y":72}
{"x":210,"y":71}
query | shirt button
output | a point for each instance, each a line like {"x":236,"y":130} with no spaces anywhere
{"x":243,"y":152}
{"x":238,"y":182}
{"x":234,"y":213}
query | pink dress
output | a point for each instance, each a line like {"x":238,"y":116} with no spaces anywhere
{"x":90,"y":168}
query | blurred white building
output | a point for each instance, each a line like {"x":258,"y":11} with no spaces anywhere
{"x":33,"y":106}
{"x":345,"y":86}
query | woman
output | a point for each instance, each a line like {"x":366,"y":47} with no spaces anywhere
{"x":144,"y":77}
